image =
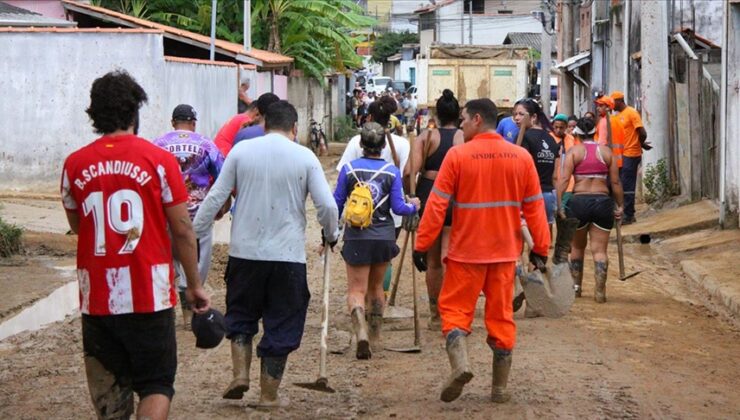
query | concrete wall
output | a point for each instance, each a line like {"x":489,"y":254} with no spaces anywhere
{"x":307,"y":95}
{"x":210,"y":89}
{"x":45,"y":90}
{"x":45,"y":86}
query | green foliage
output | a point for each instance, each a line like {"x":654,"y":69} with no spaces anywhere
{"x":344,"y":128}
{"x":10,"y":239}
{"x":318,"y":34}
{"x":389,"y":43}
{"x":658,"y":186}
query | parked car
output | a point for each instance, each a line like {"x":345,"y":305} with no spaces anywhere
{"x":377,"y":84}
{"x":411,"y":90}
{"x":398,"y":86}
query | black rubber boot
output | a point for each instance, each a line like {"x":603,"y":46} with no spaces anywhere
{"x":241,"y":359}
{"x":600,"y":270}
{"x":457,"y":350}
{"x":576,"y":271}
{"x":566,"y":231}
{"x":500,"y":375}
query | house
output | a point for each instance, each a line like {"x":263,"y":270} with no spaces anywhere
{"x":474,"y":22}
{"x":11,"y":15}
{"x":402,"y":65}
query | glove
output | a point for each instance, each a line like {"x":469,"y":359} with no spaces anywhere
{"x":410,"y":223}
{"x":331,"y":244}
{"x":420,"y":260}
{"x":538,"y":261}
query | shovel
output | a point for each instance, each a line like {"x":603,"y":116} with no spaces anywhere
{"x":417,"y":331}
{"x":622,"y":276}
{"x":392,"y":311}
{"x":322,"y":383}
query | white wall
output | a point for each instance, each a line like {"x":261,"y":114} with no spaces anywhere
{"x":210,"y":89}
{"x":487,"y":30}
{"x":403,"y":70}
{"x":307,"y":96}
{"x":45,"y":85}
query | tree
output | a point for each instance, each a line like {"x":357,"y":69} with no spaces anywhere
{"x":389,"y":43}
{"x":318,"y":34}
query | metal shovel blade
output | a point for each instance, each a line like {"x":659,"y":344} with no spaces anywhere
{"x":321,"y":385}
{"x":413,"y":349}
{"x":397,"y":312}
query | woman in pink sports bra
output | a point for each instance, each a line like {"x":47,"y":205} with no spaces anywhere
{"x":593,"y":169}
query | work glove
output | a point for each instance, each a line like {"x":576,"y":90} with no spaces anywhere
{"x":331,"y":244}
{"x":420,"y":260}
{"x":538,"y":261}
{"x":410,"y":223}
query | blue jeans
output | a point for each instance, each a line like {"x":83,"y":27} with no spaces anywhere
{"x":628,"y":177}
{"x":551,"y":205}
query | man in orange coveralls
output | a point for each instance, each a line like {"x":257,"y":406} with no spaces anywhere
{"x":488,"y":181}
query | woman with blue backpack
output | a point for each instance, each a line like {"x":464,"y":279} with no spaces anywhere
{"x":367,"y":189}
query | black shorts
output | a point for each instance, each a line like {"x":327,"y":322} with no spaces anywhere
{"x":423,"y":190}
{"x":370,"y":251}
{"x":140,"y":350}
{"x":592,"y":208}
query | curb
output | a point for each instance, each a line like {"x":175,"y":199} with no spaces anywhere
{"x":702,"y":278}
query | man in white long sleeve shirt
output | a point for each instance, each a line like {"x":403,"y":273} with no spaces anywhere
{"x":266,"y":272}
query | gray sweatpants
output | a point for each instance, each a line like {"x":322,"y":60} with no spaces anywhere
{"x":205,"y":249}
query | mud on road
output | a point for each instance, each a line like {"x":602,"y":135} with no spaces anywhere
{"x":652,"y":351}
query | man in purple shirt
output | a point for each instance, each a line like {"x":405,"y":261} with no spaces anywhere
{"x":200,"y":163}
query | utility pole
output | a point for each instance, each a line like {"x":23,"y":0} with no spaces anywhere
{"x":626,"y":44}
{"x":654,"y":33}
{"x":247,"y":25}
{"x":565,"y":92}
{"x":214,"y":5}
{"x":545,"y":58}
{"x":470,"y":23}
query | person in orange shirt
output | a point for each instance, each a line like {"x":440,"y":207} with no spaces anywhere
{"x":604,"y":106}
{"x":491,"y":182}
{"x":635,"y":139}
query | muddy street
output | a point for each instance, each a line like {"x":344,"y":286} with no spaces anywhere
{"x":654,"y":350}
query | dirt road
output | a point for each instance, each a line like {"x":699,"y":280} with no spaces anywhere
{"x":652,"y":351}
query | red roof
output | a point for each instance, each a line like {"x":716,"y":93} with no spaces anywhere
{"x":433,"y":6}
{"x":268,"y":58}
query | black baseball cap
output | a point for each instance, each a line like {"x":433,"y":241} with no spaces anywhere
{"x":184,"y":112}
{"x":209,"y":329}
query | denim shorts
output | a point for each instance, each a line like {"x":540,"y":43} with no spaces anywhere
{"x":551,"y":205}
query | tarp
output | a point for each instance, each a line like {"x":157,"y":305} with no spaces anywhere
{"x":479,"y":51}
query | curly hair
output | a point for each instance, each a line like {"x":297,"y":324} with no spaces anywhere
{"x":115,"y":100}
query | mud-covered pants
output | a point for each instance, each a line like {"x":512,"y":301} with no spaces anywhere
{"x":461,"y":288}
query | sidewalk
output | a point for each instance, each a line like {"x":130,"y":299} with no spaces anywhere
{"x":707,"y":255}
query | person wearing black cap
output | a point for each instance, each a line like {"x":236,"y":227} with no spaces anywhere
{"x":266,"y":272}
{"x":200,"y":164}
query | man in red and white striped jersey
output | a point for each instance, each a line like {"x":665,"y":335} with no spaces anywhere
{"x":121,"y":193}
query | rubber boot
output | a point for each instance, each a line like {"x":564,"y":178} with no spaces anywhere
{"x":457,"y":350}
{"x":435,"y":321}
{"x":271,"y":374}
{"x":375,"y":325}
{"x":576,"y":271}
{"x":359,"y":326}
{"x":500,"y":375}
{"x":241,"y":359}
{"x":600,"y":269}
{"x":566,"y":231}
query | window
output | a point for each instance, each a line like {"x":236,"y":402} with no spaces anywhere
{"x":426,"y":21}
{"x":478,"y":6}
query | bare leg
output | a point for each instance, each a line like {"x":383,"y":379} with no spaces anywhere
{"x":376,"y":297}
{"x":357,"y":282}
{"x":599,"y":242}
{"x":153,"y":407}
